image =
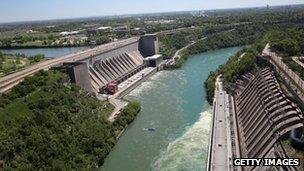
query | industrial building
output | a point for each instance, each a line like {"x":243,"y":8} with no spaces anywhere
{"x":115,"y":65}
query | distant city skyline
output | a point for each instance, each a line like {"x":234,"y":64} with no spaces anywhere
{"x":32,"y":10}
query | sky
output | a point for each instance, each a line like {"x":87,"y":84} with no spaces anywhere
{"x":30,"y":10}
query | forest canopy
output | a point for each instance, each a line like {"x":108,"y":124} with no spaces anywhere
{"x":48,"y":124}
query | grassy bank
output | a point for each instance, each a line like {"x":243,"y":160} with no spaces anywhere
{"x":47,"y":124}
{"x":10,"y":63}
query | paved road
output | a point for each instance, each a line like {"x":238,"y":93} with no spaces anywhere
{"x":220,"y":150}
{"x":242,"y":55}
{"x":177,"y":53}
{"x":177,"y":30}
{"x":296,"y":59}
{"x":119,"y":105}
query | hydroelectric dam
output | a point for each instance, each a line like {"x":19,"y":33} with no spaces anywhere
{"x":116,"y":64}
{"x":253,"y":117}
{"x":94,"y":68}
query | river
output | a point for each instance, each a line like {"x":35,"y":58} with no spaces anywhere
{"x":174,"y":103}
{"x":47,"y":52}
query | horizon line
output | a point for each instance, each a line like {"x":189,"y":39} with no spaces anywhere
{"x":134,"y":14}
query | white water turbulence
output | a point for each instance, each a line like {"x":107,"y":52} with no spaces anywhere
{"x":189,"y":152}
{"x":150,"y":84}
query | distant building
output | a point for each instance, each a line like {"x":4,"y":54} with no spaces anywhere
{"x":66,"y":33}
{"x":138,"y":31}
{"x":122,"y":29}
{"x":31,"y":31}
{"x":200,"y":13}
{"x":162,"y":21}
{"x":102,"y":29}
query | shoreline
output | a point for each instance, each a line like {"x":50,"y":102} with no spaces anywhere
{"x":117,"y":99}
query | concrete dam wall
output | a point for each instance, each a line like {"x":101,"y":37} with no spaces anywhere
{"x":115,"y":68}
{"x":118,"y":63}
{"x":264,"y":115}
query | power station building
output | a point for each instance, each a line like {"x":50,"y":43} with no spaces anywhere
{"x":116,"y":63}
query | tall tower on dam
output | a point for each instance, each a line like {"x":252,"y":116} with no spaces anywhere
{"x":117,"y":62}
{"x":148,"y":45}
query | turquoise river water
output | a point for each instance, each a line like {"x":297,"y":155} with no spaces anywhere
{"x":47,"y":52}
{"x":174,"y":103}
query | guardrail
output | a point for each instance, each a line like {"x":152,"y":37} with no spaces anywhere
{"x":208,"y":167}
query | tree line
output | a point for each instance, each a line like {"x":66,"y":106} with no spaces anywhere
{"x":289,"y":43}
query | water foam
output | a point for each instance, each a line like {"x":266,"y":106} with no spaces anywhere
{"x":189,"y":152}
{"x":147,"y":85}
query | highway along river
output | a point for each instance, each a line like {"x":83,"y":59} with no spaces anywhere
{"x":174,"y":104}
